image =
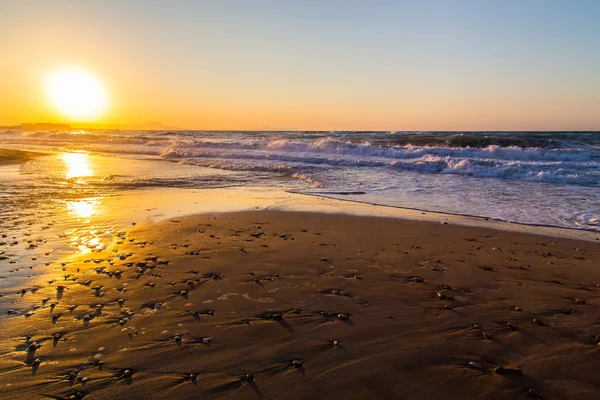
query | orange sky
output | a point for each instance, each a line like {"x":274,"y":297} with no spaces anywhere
{"x":196,"y":66}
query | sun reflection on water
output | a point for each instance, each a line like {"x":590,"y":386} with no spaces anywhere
{"x":78,"y":165}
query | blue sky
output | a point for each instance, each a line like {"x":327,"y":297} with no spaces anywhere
{"x":459,"y":64}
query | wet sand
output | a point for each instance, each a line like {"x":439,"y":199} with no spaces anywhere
{"x":295,"y":305}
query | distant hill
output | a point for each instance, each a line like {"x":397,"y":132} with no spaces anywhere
{"x":48,"y":126}
{"x":148,"y":126}
{"x":40,"y":126}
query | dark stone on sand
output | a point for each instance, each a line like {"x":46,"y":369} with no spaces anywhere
{"x":36,"y":362}
{"x":476,"y":326}
{"x":579,"y":300}
{"x":297,"y":363}
{"x":442,"y":296}
{"x":507,"y":371}
{"x":248,"y":378}
{"x":121,"y":301}
{"x":475,"y":365}
{"x":190,"y":282}
{"x":487,"y":336}
{"x":57,"y":336}
{"x":192,"y":377}
{"x":335,"y":291}
{"x":418,"y":279}
{"x":33,"y":347}
{"x":534,"y":393}
{"x":72,"y":376}
{"x":343,"y":317}
{"x":183,"y":293}
{"x":335,"y":343}
{"x":60,"y":289}
{"x":511,"y":326}
{"x":127,"y":373}
{"x":538,"y":321}
{"x":275,"y":316}
{"x":177,"y":338}
{"x":152,"y":284}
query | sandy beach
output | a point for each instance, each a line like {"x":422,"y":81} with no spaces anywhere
{"x":293,"y":305}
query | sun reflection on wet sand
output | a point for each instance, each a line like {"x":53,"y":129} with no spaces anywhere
{"x":78,"y":165}
{"x":83,"y":209}
{"x":87,"y":238}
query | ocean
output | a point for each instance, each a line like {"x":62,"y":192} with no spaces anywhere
{"x":540,"y":178}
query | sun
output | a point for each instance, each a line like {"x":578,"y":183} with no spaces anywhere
{"x":77,"y":94}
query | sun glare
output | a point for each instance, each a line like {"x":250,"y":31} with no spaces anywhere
{"x":77,"y":94}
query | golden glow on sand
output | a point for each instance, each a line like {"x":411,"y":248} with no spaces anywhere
{"x":78,"y":165}
{"x":77,"y":94}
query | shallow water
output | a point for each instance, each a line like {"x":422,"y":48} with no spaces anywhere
{"x":544,"y":178}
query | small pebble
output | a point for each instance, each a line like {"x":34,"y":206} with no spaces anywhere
{"x":343,"y":317}
{"x":296,"y":363}
{"x":127,"y":373}
{"x":534,"y":393}
{"x":538,"y":322}
{"x":475,"y":365}
{"x":33,"y":346}
{"x":183,"y":293}
{"x":335,"y":291}
{"x":511,"y":326}
{"x":275,"y":316}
